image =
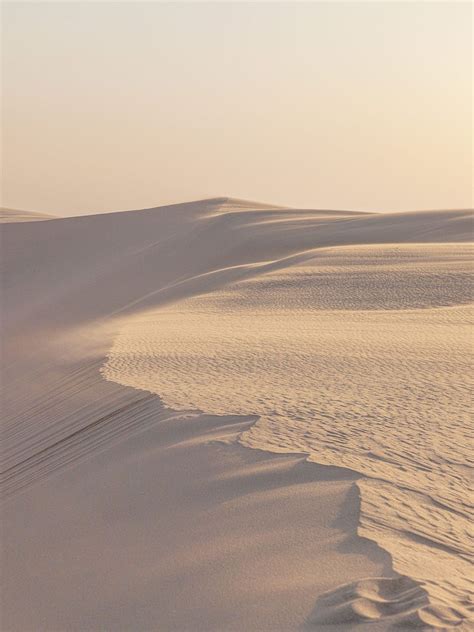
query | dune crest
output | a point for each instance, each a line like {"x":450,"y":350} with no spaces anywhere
{"x":10,"y":215}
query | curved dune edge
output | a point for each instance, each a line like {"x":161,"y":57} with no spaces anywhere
{"x":412,"y":612}
{"x":421,"y":612}
{"x":211,"y":512}
{"x":399,"y":602}
{"x":385,"y":600}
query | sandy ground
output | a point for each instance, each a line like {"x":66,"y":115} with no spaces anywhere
{"x":122,"y":513}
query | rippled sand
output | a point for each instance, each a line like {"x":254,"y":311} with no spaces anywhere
{"x":359,"y":357}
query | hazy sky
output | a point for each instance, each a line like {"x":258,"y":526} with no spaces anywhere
{"x":358,"y":105}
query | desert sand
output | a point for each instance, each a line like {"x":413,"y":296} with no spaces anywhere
{"x":224,"y":415}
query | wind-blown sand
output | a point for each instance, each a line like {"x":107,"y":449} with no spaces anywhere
{"x":226,"y":415}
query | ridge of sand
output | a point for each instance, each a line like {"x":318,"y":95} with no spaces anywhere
{"x":131,"y":513}
{"x":10,"y":215}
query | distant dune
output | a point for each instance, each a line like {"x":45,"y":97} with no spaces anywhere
{"x":226,"y":415}
{"x":8,"y":215}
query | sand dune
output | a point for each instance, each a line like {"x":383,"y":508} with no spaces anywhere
{"x":143,"y":350}
{"x":10,"y":215}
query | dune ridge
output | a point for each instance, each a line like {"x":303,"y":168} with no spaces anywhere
{"x":10,"y":215}
{"x":87,"y":288}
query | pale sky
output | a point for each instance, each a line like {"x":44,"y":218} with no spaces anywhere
{"x":358,"y":105}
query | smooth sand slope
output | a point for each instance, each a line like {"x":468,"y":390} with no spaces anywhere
{"x":174,"y":377}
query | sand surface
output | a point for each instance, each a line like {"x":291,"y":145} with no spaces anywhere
{"x":227,"y":415}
